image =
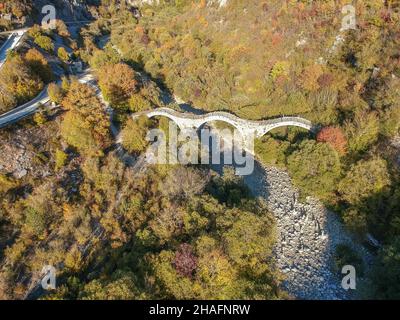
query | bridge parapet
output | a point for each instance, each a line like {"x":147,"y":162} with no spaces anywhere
{"x":259,"y":127}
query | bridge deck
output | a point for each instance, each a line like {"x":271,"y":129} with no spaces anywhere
{"x":224,"y":116}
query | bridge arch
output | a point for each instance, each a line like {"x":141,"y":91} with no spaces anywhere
{"x":169,"y":116}
{"x":216,"y":118}
{"x":267,"y":128}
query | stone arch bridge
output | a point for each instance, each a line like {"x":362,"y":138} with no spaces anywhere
{"x":245,"y":127}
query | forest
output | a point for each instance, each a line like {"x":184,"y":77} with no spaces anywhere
{"x":218,"y":59}
{"x":185,"y":232}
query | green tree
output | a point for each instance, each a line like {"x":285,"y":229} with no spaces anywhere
{"x":65,"y":84}
{"x":315,"y":168}
{"x":355,"y":220}
{"x":271,"y":151}
{"x":36,"y":221}
{"x":121,"y":286}
{"x":117,"y":83}
{"x":391,"y":122}
{"x":39,"y":65}
{"x":249,"y":240}
{"x":86,"y":125}
{"x":363,"y":131}
{"x":101,"y":58}
{"x":40,"y":117}
{"x":364,"y":179}
{"x":386,"y":272}
{"x":345,"y":255}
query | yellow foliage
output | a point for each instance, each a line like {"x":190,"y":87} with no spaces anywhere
{"x":73,"y":260}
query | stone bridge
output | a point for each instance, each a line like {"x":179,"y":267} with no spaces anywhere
{"x":245,"y":127}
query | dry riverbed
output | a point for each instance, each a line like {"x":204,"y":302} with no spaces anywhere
{"x":307,"y":237}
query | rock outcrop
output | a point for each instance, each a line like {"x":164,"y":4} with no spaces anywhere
{"x":23,"y":153}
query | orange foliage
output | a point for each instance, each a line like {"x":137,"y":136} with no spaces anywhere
{"x":335,"y":137}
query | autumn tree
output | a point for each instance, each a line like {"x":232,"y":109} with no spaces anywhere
{"x":39,"y":65}
{"x":86,"y":125}
{"x":134,"y":134}
{"x":335,"y":137}
{"x":7,"y":98}
{"x":117,"y":83}
{"x":139,"y":103}
{"x":62,"y":28}
{"x":309,"y":78}
{"x":183,"y":183}
{"x":19,"y":82}
{"x":6,"y":183}
{"x":185,"y":261}
{"x":18,"y":8}
{"x":55,"y":93}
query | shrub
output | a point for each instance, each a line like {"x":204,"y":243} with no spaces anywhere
{"x":55,"y":93}
{"x":45,"y":43}
{"x":40,"y":118}
{"x":63,"y":54}
{"x":60,"y":159}
{"x":35,"y":221}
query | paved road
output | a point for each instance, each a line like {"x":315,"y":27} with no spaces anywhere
{"x":25,"y":110}
{"x":22,"y":30}
{"x":32,"y":106}
{"x":11,"y":43}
